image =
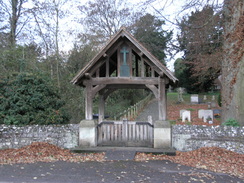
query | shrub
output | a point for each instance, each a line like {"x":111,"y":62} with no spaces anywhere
{"x":231,"y":122}
{"x":30,"y":99}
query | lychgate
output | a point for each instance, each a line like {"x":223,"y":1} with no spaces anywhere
{"x":124,"y":63}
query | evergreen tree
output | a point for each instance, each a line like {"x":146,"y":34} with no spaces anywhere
{"x":30,"y":99}
{"x":148,"y":30}
{"x":201,"y":41}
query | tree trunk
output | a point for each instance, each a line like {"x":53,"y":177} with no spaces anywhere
{"x":233,"y":62}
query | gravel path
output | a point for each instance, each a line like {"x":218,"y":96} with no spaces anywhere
{"x":150,"y":110}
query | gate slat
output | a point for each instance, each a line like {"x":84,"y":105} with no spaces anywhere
{"x":126,"y":133}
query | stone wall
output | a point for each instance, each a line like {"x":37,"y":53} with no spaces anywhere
{"x":184,"y":137}
{"x":191,"y":137}
{"x":65,"y":136}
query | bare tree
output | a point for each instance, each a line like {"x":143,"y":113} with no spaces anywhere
{"x":103,"y":18}
{"x":14,"y":11}
{"x":47,"y":17}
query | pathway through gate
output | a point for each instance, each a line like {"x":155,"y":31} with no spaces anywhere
{"x":125,"y":133}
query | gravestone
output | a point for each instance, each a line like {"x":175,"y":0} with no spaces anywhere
{"x":200,"y":113}
{"x":207,"y":114}
{"x":180,"y":92}
{"x":194,"y":99}
{"x":186,"y":116}
{"x":181,"y":112}
{"x":213,"y":104}
{"x":204,"y":97}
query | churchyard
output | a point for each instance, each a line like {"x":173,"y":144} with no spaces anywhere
{"x":206,"y":103}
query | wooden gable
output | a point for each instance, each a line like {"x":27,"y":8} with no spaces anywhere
{"x":122,"y":61}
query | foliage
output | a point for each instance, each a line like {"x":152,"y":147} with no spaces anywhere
{"x":79,"y":56}
{"x":219,"y":100}
{"x":201,"y":40}
{"x":231,"y":122}
{"x":120,"y":100}
{"x":183,"y":73}
{"x":148,"y":30}
{"x":30,"y":99}
{"x":19,"y":59}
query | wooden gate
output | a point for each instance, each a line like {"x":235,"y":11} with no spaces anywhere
{"x":125,"y":133}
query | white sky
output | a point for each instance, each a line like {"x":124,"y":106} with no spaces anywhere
{"x":171,"y":8}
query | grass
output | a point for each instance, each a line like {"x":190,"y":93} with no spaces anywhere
{"x":172,"y":97}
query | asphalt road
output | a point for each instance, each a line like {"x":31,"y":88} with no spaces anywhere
{"x":109,"y":171}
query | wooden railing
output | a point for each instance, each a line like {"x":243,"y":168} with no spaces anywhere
{"x":132,"y":112}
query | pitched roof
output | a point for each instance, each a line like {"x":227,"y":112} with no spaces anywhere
{"x":123,"y":33}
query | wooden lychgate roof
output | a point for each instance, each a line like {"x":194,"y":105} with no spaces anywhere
{"x":107,"y":66}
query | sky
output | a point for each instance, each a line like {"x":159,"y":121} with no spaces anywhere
{"x":171,"y":13}
{"x":70,"y":27}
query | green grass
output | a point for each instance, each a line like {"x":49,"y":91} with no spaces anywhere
{"x":172,"y":97}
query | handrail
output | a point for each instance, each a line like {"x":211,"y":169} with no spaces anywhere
{"x":132,"y":112}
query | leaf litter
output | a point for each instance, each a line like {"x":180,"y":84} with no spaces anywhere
{"x":45,"y":152}
{"x":210,"y":158}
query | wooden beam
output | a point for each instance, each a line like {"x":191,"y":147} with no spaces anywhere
{"x":126,"y":86}
{"x":111,"y":50}
{"x":96,"y":89}
{"x":96,"y":66}
{"x":154,"y":89}
{"x":122,"y":80}
{"x":151,"y":65}
{"x":108,"y":92}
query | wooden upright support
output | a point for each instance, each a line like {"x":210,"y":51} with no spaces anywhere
{"x":162,"y":105}
{"x":101,"y":108}
{"x":88,"y":101}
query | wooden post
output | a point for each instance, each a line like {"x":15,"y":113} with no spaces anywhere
{"x":142,"y":68}
{"x":162,"y":99}
{"x":101,"y":108}
{"x":107,"y":67}
{"x":88,"y":101}
{"x":118,"y":61}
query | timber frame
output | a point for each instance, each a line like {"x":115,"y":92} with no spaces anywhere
{"x":123,"y":63}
